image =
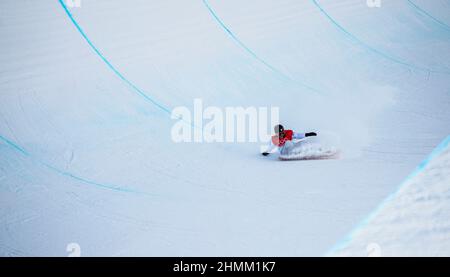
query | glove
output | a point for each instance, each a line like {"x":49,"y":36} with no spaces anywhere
{"x":265,"y":154}
{"x":311,"y":134}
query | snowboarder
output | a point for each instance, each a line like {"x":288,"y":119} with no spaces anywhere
{"x":283,"y":136}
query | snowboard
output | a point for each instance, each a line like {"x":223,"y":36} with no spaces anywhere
{"x":308,"y":149}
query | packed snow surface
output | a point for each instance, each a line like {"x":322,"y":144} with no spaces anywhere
{"x":414,"y":221}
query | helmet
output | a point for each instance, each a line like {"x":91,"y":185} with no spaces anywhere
{"x":278,"y":129}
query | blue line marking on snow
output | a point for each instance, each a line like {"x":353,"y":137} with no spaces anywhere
{"x":346,"y":241}
{"x":14,"y":146}
{"x":123,"y":78}
{"x":90,"y":182}
{"x":109,"y":64}
{"x":135,"y":88}
{"x":238,"y":41}
{"x":370,"y":48}
{"x":66,"y":173}
{"x":439,"y":22}
{"x":250,"y":51}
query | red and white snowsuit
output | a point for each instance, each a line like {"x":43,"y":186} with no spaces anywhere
{"x":279,"y":143}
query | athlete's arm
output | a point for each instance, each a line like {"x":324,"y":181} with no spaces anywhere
{"x":298,"y":135}
{"x":269,"y":149}
{"x":303,"y":135}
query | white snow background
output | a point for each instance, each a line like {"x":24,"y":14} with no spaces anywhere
{"x":86,"y":155}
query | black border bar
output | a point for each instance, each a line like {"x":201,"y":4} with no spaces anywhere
{"x":221,"y":266}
